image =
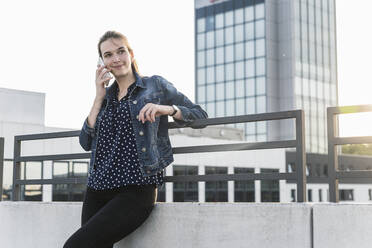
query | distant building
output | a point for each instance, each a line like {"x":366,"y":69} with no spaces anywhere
{"x":257,"y":56}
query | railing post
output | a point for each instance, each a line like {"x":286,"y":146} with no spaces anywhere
{"x":332,"y":156}
{"x":1,"y":166}
{"x":16,"y":192}
{"x":300,"y":157}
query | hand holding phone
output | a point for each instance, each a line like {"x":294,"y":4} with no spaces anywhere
{"x":107,"y":75}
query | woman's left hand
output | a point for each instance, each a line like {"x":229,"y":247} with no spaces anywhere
{"x":151,"y":110}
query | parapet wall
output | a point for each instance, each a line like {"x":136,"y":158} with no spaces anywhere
{"x":199,"y":225}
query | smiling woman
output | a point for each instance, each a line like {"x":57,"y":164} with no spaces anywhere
{"x":127,"y":134}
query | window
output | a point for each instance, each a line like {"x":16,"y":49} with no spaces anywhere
{"x":249,"y":31}
{"x":201,"y":25}
{"x":201,"y":41}
{"x":201,"y":94}
{"x":310,"y":195}
{"x":270,"y":188}
{"x":244,"y":190}
{"x":346,"y":195}
{"x":210,"y":92}
{"x":249,"y":68}
{"x":293,"y":195}
{"x":215,"y":191}
{"x":320,"y":195}
{"x":249,"y":49}
{"x":260,"y":28}
{"x":185,"y":191}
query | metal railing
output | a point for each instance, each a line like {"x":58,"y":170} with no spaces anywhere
{"x":1,"y":166}
{"x":299,"y":143}
{"x":333,"y":140}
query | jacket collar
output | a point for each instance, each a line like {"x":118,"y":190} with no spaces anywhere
{"x":110,"y":91}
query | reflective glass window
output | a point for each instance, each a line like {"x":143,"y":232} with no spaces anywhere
{"x":261,"y":69}
{"x":240,"y":88}
{"x":261,"y":85}
{"x":261,"y":127}
{"x":239,"y":70}
{"x":249,"y":49}
{"x":260,"y":47}
{"x":201,"y":76}
{"x":261,"y":104}
{"x":210,"y":23}
{"x":229,"y":55}
{"x":249,"y":31}
{"x":219,"y":37}
{"x":249,"y":14}
{"x":250,"y":87}
{"x":239,"y":16}
{"x":250,"y":105}
{"x":201,"y":94}
{"x":220,"y":73}
{"x":249,"y":68}
{"x":250,"y":128}
{"x":210,"y":57}
{"x":220,"y":109}
{"x":201,"y":58}
{"x":211,"y":110}
{"x":240,"y":106}
{"x":229,"y":35}
{"x":210,"y":92}
{"x":230,"y":90}
{"x":230,"y":108}
{"x":210,"y":39}
{"x":201,"y":25}
{"x":239,"y":51}
{"x":260,"y":28}
{"x":219,"y":20}
{"x":260,"y":11}
{"x":201,"y":41}
{"x":229,"y":18}
{"x":229,"y":70}
{"x":210,"y":74}
{"x":220,"y":91}
{"x":220,"y":55}
{"x":239,"y":33}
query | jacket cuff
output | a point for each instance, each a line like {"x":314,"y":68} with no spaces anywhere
{"x":87,"y":129}
{"x":184,"y":113}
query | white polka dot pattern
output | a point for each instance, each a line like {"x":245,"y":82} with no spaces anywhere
{"x":117,"y":162}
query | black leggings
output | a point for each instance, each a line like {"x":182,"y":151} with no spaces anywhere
{"x":110,"y":215}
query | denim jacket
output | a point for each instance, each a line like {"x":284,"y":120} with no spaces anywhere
{"x":153,"y":145}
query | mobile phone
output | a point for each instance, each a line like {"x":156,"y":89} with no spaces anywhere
{"x":101,"y":63}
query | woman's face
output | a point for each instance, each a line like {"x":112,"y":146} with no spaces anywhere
{"x":116,"y":57}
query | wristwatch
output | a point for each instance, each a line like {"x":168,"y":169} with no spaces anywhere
{"x":175,"y":110}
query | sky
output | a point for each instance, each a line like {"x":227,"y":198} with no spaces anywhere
{"x":51,"y":47}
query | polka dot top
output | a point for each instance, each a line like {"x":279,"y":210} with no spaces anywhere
{"x":117,"y":162}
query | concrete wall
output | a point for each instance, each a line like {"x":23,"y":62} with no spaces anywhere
{"x":184,"y":225}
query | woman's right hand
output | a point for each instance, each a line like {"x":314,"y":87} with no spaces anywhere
{"x":101,"y":82}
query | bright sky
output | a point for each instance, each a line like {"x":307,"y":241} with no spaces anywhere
{"x":50,"y":47}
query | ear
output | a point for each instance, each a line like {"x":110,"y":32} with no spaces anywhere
{"x":131,"y":54}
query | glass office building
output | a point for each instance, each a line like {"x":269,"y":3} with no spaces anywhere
{"x":257,"y":56}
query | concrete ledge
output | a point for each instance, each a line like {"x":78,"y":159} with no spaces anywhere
{"x":42,"y":224}
{"x":342,"y":225}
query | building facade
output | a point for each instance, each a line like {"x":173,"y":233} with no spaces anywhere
{"x":257,"y":56}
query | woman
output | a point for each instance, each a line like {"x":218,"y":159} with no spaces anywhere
{"x":127,"y":134}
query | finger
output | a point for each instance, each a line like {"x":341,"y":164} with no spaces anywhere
{"x":148,"y":112}
{"x":141,"y":115}
{"x":153,"y":112}
{"x":102,"y":74}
